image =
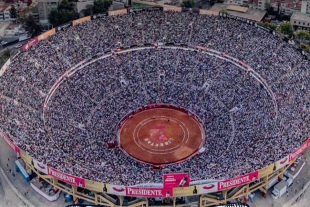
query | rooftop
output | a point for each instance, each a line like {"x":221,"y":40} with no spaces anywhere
{"x":251,"y":14}
{"x":300,"y":16}
{"x":237,"y":8}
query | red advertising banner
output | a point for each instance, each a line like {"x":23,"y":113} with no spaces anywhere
{"x":145,"y":192}
{"x":30,"y":44}
{"x":234,"y":182}
{"x":70,"y":179}
{"x":299,"y":150}
{"x":175,"y":180}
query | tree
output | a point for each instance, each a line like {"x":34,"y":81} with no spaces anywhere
{"x":31,"y":26}
{"x":4,"y":56}
{"x":101,"y":6}
{"x":59,"y":17}
{"x":13,"y":12}
{"x":286,"y":28}
{"x":188,"y":3}
{"x":64,"y":13}
{"x":302,"y":35}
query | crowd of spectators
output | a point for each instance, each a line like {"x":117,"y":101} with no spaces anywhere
{"x":243,"y":132}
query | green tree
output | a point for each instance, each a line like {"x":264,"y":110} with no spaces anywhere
{"x":58,"y":17}
{"x":302,"y":35}
{"x":188,"y":3}
{"x":101,"y":6}
{"x":31,"y":26}
{"x":13,"y":12}
{"x":65,"y":4}
{"x":286,"y":28}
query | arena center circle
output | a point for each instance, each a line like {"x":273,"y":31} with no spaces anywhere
{"x":161,"y":135}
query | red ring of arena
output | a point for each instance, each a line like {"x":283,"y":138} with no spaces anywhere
{"x":161,"y":134}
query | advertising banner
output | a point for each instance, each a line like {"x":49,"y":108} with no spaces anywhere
{"x":281,"y":163}
{"x":40,"y":166}
{"x":81,"y":20}
{"x":266,"y":170}
{"x":70,"y":179}
{"x":46,"y":34}
{"x":95,"y":186}
{"x":172,"y":8}
{"x":185,"y":191}
{"x":116,"y":189}
{"x":241,"y":180}
{"x":299,"y":150}
{"x":30,"y":44}
{"x":174,"y":180}
{"x":207,"y":188}
{"x":146,"y":192}
{"x":117,"y":12}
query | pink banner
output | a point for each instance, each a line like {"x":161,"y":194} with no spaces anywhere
{"x":70,"y":179}
{"x":234,"y":182}
{"x":175,"y":180}
{"x":145,"y":192}
{"x":299,"y":150}
{"x":30,"y":44}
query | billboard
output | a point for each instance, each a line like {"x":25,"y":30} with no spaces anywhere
{"x":238,"y":181}
{"x":174,"y":180}
{"x":116,"y":189}
{"x":70,"y":179}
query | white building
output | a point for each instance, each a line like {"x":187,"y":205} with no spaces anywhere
{"x":5,"y":13}
{"x":305,"y":7}
{"x":301,"y":20}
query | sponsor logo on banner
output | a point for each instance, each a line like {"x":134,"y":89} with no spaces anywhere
{"x":117,"y":189}
{"x":40,"y":166}
{"x":70,"y":179}
{"x":281,"y":163}
{"x":145,"y":192}
{"x":207,"y":188}
{"x":29,"y":44}
{"x":234,"y":182}
{"x":299,"y":150}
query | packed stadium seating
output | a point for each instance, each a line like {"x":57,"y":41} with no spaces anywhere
{"x":244,"y":130}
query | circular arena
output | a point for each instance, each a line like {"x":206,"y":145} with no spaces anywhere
{"x":219,"y":97}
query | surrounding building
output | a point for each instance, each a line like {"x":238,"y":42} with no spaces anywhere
{"x":5,"y":13}
{"x":301,"y":20}
{"x":44,"y":9}
{"x":305,"y":7}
